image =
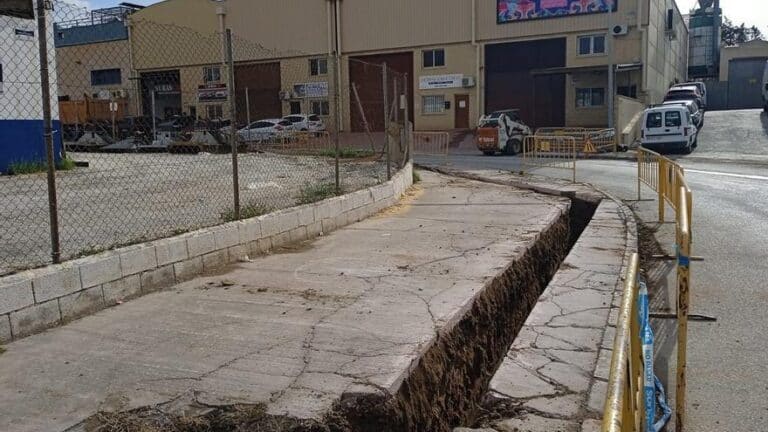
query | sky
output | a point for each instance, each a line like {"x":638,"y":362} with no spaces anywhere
{"x":750,"y":12}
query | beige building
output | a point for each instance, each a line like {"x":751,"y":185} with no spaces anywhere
{"x":462,"y":57}
{"x":752,"y":50}
{"x":94,"y":60}
{"x":741,"y":77}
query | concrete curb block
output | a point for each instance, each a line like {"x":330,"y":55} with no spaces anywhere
{"x":35,"y":300}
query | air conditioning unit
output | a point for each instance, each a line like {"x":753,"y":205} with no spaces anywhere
{"x":619,"y":30}
{"x":468,"y":82}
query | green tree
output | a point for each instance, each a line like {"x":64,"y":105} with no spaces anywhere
{"x":738,"y":34}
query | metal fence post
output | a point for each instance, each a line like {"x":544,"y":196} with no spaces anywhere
{"x":233,"y":124}
{"x":406,"y":114}
{"x":662,"y":167}
{"x":248,"y":109}
{"x":45,"y":84}
{"x":337,"y":120}
{"x":640,"y":164}
{"x":385,"y":90}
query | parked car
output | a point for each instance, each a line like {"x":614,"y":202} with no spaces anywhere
{"x":669,"y":128}
{"x":265,"y":130}
{"x":306,"y":123}
{"x":696,"y":113}
{"x":702,"y":88}
{"x":684,"y":93}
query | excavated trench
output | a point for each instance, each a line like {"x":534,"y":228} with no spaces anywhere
{"x":448,"y":385}
{"x":445,"y":389}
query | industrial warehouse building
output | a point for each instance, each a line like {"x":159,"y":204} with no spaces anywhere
{"x":21,"y":100}
{"x":550,"y":59}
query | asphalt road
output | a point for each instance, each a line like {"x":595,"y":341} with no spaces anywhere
{"x":728,"y":172}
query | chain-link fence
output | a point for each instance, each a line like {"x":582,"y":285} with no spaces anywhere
{"x":160,"y":129}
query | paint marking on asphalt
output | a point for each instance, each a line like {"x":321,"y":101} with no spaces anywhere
{"x":724,"y":174}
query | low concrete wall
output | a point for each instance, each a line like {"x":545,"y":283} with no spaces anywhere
{"x":39,"y":299}
{"x":628,"y":114}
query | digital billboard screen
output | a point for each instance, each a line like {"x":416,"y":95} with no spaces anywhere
{"x":522,"y":10}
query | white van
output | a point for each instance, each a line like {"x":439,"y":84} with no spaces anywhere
{"x":669,"y":128}
{"x":765,"y":88}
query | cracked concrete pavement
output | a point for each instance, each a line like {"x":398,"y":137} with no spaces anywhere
{"x":554,"y":376}
{"x":348,"y":313}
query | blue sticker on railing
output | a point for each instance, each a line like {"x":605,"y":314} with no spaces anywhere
{"x":682,"y":260}
{"x":646,"y":337}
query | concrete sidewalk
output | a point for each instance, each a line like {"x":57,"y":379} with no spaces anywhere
{"x":355,"y":314}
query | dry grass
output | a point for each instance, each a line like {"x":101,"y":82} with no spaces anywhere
{"x":236,"y":418}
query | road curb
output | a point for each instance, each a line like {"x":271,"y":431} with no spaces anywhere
{"x":551,"y":401}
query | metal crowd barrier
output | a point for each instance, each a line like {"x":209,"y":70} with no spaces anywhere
{"x":588,"y":141}
{"x":550,"y":151}
{"x":625,"y":404}
{"x":431,"y":143}
{"x":623,"y":412}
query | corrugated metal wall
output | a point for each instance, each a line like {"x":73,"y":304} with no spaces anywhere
{"x":745,"y":79}
{"x":510,"y":84}
{"x":365,"y":74}
{"x":263,"y":84}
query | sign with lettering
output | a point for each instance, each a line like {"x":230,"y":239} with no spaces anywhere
{"x":431,"y":82}
{"x":317,"y":89}
{"x":212,"y":93}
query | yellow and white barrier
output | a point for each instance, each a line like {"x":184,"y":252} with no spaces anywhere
{"x":623,"y":409}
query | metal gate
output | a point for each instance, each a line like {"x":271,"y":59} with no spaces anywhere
{"x":745,"y":78}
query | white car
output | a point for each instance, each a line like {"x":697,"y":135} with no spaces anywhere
{"x":700,"y":86}
{"x":265,"y":130}
{"x":669,"y":128}
{"x":306,"y":123}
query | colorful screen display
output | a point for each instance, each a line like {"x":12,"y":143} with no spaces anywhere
{"x":522,"y":10}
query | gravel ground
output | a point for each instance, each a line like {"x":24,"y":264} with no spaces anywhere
{"x":122,"y":199}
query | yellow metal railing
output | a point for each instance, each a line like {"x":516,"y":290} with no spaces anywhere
{"x":624,"y":404}
{"x":550,"y":151}
{"x":623,"y":412}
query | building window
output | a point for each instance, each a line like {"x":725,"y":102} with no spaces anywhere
{"x":295,"y":107}
{"x":628,"y":91}
{"x":592,"y":45}
{"x":214,"y":111}
{"x":211,"y":74}
{"x":106,"y":77}
{"x":318,"y":66}
{"x":434,"y":58}
{"x":590,"y":97}
{"x":433,"y":104}
{"x":320,"y":107}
